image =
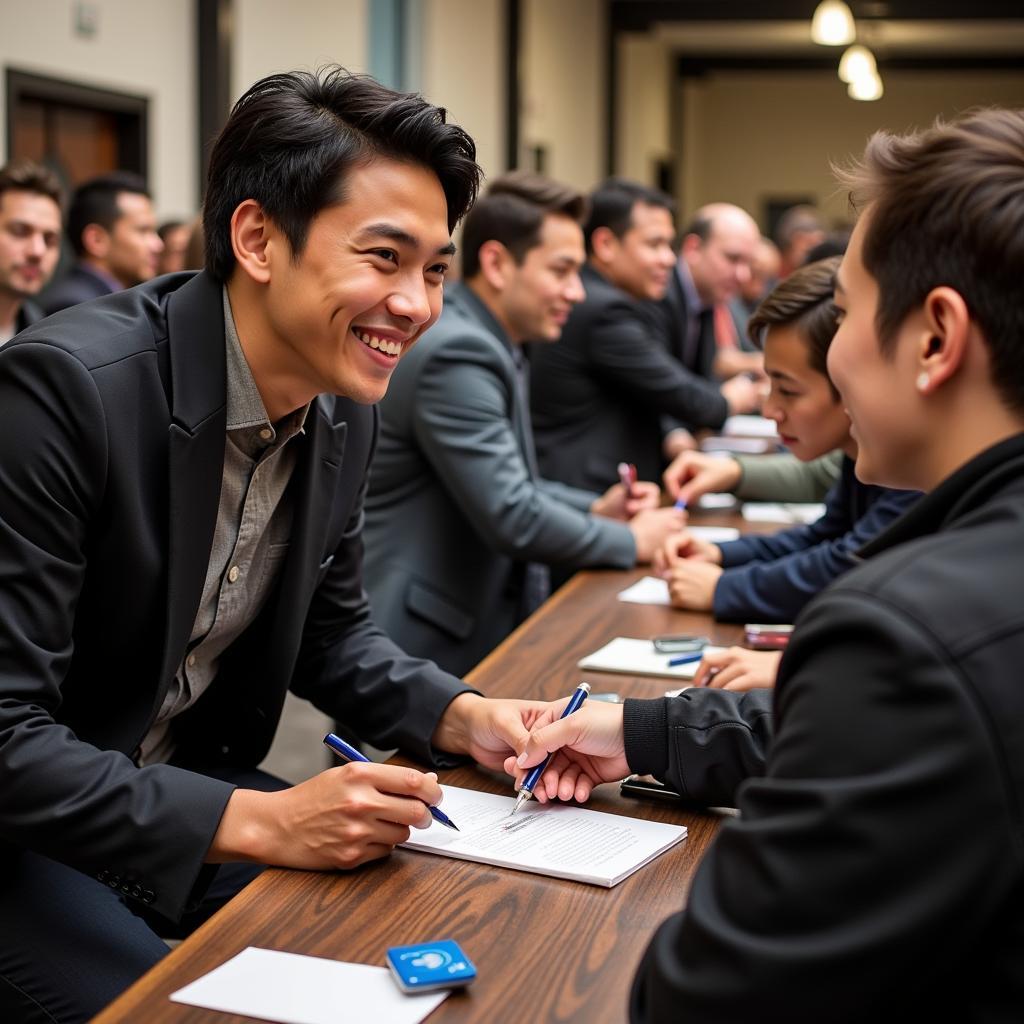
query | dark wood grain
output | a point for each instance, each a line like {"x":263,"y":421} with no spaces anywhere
{"x":566,"y":949}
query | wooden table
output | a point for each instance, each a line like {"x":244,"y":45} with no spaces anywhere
{"x":546,"y":949}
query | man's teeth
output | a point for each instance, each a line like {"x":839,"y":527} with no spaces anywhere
{"x":391,"y":348}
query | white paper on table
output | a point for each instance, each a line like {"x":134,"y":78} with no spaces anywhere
{"x":712,"y":501}
{"x":639,"y":658}
{"x":750,"y":426}
{"x":297,"y":989}
{"x":786,"y":512}
{"x":647,"y":590}
{"x":558,"y":840}
{"x":714,"y":534}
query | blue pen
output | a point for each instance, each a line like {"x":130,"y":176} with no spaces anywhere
{"x":346,"y":750}
{"x":685,"y":659}
{"x":534,"y":774}
{"x":680,"y":505}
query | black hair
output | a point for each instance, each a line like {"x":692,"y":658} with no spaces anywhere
{"x":292,"y":137}
{"x":612,"y":202}
{"x":95,"y":202}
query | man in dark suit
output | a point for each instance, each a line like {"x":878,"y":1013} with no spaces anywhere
{"x":182,"y":470}
{"x":601,"y":395}
{"x":29,"y":241}
{"x":456,"y":465}
{"x":112,"y":228}
{"x":876,"y":869}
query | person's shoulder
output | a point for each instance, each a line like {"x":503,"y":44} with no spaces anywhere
{"x":111,"y":328}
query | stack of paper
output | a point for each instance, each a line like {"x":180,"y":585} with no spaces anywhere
{"x":639,"y":658}
{"x":646,"y":590}
{"x":750,"y":426}
{"x":559,"y":840}
{"x":714,"y":534}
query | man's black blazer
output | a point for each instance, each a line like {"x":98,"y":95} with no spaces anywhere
{"x":598,"y":395}
{"x":112,"y":435}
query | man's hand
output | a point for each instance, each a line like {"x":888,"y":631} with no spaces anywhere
{"x":683,"y":547}
{"x":742,"y":394}
{"x":652,"y":527}
{"x":487,"y":729}
{"x":691,"y":585}
{"x":616,"y":503}
{"x":590,"y":749}
{"x":738,"y":669}
{"x":693,"y":473}
{"x":340,"y":818}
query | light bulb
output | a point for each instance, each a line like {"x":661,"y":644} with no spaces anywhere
{"x":857,"y":62}
{"x":832,"y":24}
{"x":867,"y":88}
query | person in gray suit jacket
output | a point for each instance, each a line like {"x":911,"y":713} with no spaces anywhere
{"x":460,"y":527}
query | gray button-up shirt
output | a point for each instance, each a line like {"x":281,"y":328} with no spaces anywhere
{"x":250,"y":540}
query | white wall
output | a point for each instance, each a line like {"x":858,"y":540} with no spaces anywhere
{"x":296,"y":35}
{"x":562,"y":77}
{"x":463,"y":69}
{"x":146,"y":49}
{"x":750,"y":135}
{"x":642,"y":132}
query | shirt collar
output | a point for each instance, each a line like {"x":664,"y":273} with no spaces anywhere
{"x":693,"y":299}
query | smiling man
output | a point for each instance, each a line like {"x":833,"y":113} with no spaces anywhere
{"x":29,"y":241}
{"x":456,"y":465}
{"x":182,"y":469}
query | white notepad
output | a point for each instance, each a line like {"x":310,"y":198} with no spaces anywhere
{"x":750,"y":426}
{"x":298,"y":989}
{"x":714,"y":534}
{"x":786,"y":512}
{"x":558,"y":840}
{"x":647,"y":590}
{"x":639,"y":658}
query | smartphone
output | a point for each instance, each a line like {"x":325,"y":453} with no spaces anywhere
{"x":680,"y":643}
{"x":647,"y":786}
{"x":763,"y":636}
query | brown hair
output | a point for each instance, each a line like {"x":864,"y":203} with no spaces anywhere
{"x":948,"y":209}
{"x":512,"y":213}
{"x":803,"y":301}
{"x":30,"y":177}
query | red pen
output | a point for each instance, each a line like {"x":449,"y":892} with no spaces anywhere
{"x":627,"y":477}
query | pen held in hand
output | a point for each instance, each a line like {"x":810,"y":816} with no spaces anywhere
{"x":533,"y":776}
{"x":347,"y":751}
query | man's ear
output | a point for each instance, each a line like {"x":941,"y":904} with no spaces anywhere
{"x":252,"y":240}
{"x":96,"y":241}
{"x":604,"y":244}
{"x":945,"y":333}
{"x":496,"y":264}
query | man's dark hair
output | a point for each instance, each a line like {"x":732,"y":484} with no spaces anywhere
{"x":796,"y":220}
{"x":803,"y":301}
{"x":167,"y":227}
{"x":292,"y":137}
{"x":612,"y":202}
{"x":95,"y":202}
{"x":947,"y":208}
{"x":512,"y":213}
{"x":28,"y":176}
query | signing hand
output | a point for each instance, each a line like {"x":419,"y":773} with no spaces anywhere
{"x":617,"y":503}
{"x":683,"y":547}
{"x":590,"y":749}
{"x":738,"y":669}
{"x":692,"y":474}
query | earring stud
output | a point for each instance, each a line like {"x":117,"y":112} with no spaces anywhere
{"x":922,"y":381}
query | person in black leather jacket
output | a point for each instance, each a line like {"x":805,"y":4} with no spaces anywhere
{"x":876,"y":870}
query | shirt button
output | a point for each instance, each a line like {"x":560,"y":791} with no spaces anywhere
{"x":266,"y":433}
{"x":190,"y":660}
{"x":232,"y":574}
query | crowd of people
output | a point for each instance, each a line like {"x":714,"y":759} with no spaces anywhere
{"x":316,"y":466}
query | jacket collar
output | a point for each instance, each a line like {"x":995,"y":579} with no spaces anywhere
{"x":964,"y":490}
{"x":464,"y":300}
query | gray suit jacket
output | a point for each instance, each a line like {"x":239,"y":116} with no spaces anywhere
{"x":455,"y":506}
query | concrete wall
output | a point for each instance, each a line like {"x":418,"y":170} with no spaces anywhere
{"x":747,"y":137}
{"x":145,"y":49}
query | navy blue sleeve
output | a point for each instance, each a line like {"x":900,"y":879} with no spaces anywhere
{"x":777,"y":591}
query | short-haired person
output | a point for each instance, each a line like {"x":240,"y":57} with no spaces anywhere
{"x":182,"y":468}
{"x":112,"y":229}
{"x":770,"y":578}
{"x":455,"y":465}
{"x":29,"y":241}
{"x":798,"y":231}
{"x":876,"y":868}
{"x":175,"y":235}
{"x":604,"y":394}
